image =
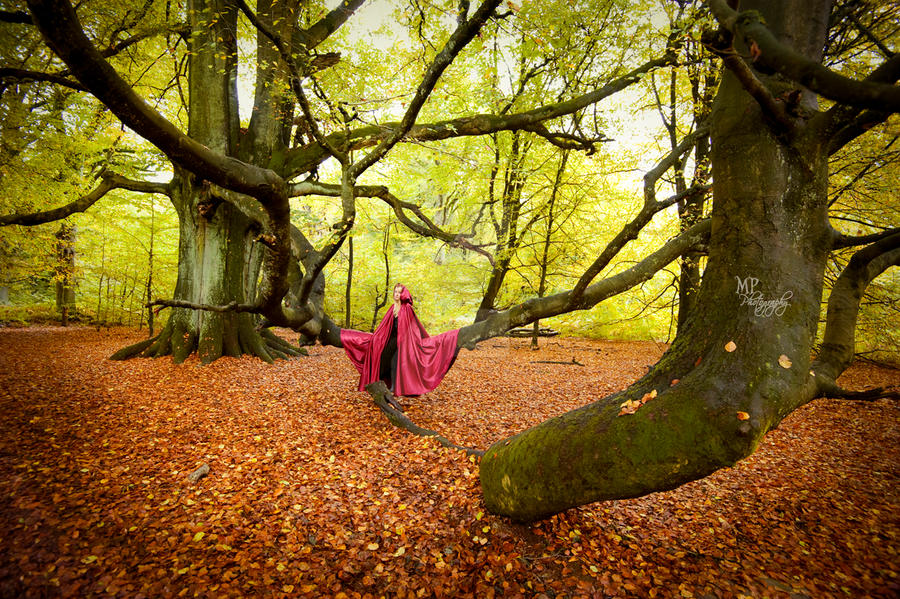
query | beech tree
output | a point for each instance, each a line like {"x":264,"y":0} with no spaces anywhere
{"x":743,"y":356}
{"x":743,"y":359}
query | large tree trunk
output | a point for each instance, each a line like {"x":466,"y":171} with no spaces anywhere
{"x":214,"y":268}
{"x":705,"y":407}
{"x":218,"y":261}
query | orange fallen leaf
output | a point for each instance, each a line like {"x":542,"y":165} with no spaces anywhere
{"x":784,"y":361}
{"x":730,"y":346}
{"x":743,"y":416}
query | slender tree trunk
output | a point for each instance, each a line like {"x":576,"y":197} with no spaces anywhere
{"x":149,"y":294}
{"x":703,"y":407}
{"x":65,"y":271}
{"x":542,"y":283}
{"x":507,"y":229}
{"x":347,"y":289}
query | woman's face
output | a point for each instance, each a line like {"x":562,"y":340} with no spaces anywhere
{"x":397,"y":291}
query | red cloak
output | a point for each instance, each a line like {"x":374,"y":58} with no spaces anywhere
{"x":422,"y":360}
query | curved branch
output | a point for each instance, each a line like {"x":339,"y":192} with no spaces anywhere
{"x":229,"y":307}
{"x":10,"y":74}
{"x":778,"y":57}
{"x":854,"y":127}
{"x":843,"y":123}
{"x":552,"y":305}
{"x":304,"y":159}
{"x":63,"y":33}
{"x":429,"y":229}
{"x":567,"y":141}
{"x":838,"y":346}
{"x":110,"y":181}
{"x":846,"y":241}
{"x":384,"y":399}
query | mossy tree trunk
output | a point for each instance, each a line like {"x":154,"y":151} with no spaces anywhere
{"x":218,"y":260}
{"x":705,"y":407}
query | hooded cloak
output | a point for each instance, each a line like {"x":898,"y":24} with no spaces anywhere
{"x":422,"y":360}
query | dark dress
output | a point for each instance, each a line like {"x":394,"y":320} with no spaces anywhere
{"x":388,"y":367}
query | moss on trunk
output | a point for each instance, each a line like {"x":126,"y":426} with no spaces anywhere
{"x":742,"y":358}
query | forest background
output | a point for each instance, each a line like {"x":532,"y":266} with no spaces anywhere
{"x":567,"y":204}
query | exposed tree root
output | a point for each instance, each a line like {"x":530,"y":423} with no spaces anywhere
{"x":835,"y":392}
{"x":178,"y":341}
{"x":384,"y":399}
{"x":574,"y":362}
{"x":133,"y":350}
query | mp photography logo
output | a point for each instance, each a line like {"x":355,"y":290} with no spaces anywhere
{"x":762,"y":307}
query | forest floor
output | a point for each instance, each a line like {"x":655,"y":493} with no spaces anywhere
{"x":313,"y":493}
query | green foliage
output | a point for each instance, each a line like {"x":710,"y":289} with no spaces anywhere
{"x":54,"y":143}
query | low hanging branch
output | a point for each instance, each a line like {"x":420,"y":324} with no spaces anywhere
{"x":498,"y":323}
{"x":110,"y":181}
{"x":427,"y":229}
{"x":838,"y":344}
{"x":229,"y":307}
{"x":651,"y":206}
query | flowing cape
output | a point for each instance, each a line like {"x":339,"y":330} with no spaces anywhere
{"x":422,"y":360}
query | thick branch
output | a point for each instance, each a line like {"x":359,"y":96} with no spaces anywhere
{"x":15,"y":16}
{"x":307,"y":157}
{"x":464,"y":33}
{"x":776,"y":56}
{"x":843,"y":123}
{"x":10,"y":74}
{"x":322,"y":29}
{"x":110,"y":181}
{"x":63,"y":33}
{"x":552,"y":305}
{"x":839,"y":346}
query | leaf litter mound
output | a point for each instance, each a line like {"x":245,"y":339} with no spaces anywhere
{"x":311,"y":492}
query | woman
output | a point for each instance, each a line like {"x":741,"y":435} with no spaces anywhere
{"x":400,"y":352}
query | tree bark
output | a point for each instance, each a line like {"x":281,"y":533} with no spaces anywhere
{"x":218,"y":260}
{"x":838,"y":346}
{"x":349,"y":285}
{"x":65,"y":272}
{"x":770,"y":236}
